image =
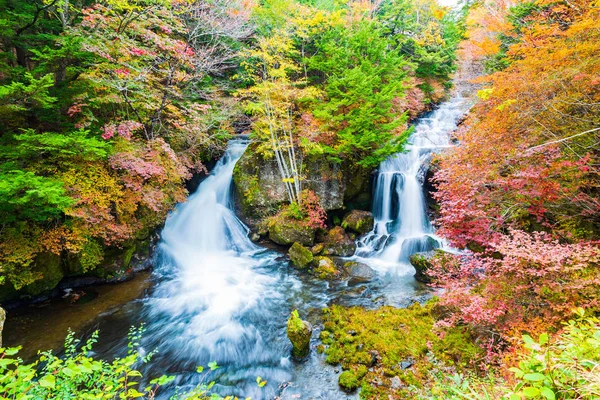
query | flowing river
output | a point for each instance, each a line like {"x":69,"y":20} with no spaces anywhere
{"x":216,"y":296}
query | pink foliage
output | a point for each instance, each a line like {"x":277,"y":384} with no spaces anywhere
{"x":124,"y":129}
{"x":523,"y":277}
{"x":315,"y":214}
{"x":137,"y":166}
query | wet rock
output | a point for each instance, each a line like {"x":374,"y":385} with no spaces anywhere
{"x":286,"y":231}
{"x":337,"y":243}
{"x":317,"y":248}
{"x":255,"y":237}
{"x":359,"y":272}
{"x":299,"y":333}
{"x":300,"y":256}
{"x":421,"y":262}
{"x":359,"y":221}
{"x":325,"y":268}
{"x":2,"y":319}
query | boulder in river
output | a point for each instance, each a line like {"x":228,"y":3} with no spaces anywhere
{"x":359,"y":272}
{"x":299,"y":333}
{"x":422,"y":261}
{"x":359,"y":221}
{"x":338,"y":243}
{"x":325,"y":268}
{"x":300,"y":256}
{"x":286,"y":231}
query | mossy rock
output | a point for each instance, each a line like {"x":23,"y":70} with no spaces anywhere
{"x":317,"y":249}
{"x":349,"y":381}
{"x":286,"y":231}
{"x":299,"y":333}
{"x":338,"y":243}
{"x":378,"y":343}
{"x":422,"y":263}
{"x":325,"y":268}
{"x":359,"y":221}
{"x":50,"y":267}
{"x":258,"y":185}
{"x":300,"y":256}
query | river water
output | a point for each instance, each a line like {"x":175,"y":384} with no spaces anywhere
{"x":216,"y":296}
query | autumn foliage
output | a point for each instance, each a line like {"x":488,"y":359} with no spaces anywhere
{"x":521,"y":191}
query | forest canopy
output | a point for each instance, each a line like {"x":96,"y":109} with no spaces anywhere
{"x":107,"y":108}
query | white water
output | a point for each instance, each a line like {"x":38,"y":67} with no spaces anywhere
{"x":215,"y":280}
{"x":402,"y":226}
{"x":218,"y":297}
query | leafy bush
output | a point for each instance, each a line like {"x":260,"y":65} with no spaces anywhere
{"x":561,"y":367}
{"x":79,"y":375}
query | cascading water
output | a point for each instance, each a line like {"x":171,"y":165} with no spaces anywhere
{"x":402,"y":226}
{"x":219,"y":297}
{"x":218,"y":290}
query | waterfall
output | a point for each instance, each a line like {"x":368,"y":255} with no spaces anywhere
{"x":215,"y":285}
{"x":402,"y":226}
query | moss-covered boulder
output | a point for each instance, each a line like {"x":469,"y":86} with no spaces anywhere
{"x":2,"y":319}
{"x":300,"y":256}
{"x":50,"y":267}
{"x":317,"y":248}
{"x":258,"y":185}
{"x":299,"y":333}
{"x":422,"y":263}
{"x":286,"y":231}
{"x":359,"y":221}
{"x":349,"y":381}
{"x":338,"y":243}
{"x":325,"y":268}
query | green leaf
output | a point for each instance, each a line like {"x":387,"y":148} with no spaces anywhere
{"x":48,"y":381}
{"x":212,"y":365}
{"x":200,"y":369}
{"x":12,"y":351}
{"x":534,"y":377}
{"x":548,"y":393}
{"x":543,"y":339}
{"x":530,"y":392}
{"x":518,"y":373}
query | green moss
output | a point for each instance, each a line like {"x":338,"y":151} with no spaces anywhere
{"x":299,"y":333}
{"x":385,"y":339}
{"x":127,"y":257}
{"x":50,"y":269}
{"x":300,"y":256}
{"x":285,"y":231}
{"x":325,"y":268}
{"x":91,"y":255}
{"x":349,"y":381}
